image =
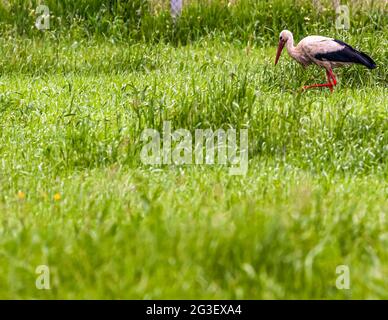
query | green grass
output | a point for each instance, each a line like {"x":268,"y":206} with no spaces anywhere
{"x":75,"y":196}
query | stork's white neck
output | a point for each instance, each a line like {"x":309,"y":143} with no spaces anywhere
{"x":290,"y":46}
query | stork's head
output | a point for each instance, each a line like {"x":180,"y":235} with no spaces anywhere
{"x":284,"y":36}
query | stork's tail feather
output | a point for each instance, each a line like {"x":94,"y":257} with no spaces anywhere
{"x":355,"y":56}
{"x":366,"y":60}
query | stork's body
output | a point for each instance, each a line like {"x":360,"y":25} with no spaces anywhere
{"x":322,"y":51}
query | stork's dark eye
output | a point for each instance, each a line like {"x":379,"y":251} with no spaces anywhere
{"x":281,"y":38}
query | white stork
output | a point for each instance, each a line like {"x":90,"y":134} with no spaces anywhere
{"x":322,"y":51}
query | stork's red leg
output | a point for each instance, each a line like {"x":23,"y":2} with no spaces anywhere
{"x":329,"y":85}
{"x":330,"y":76}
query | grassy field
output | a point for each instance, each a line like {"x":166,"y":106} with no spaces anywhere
{"x":75,"y":196}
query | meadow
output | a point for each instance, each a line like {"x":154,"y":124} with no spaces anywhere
{"x":75,"y":196}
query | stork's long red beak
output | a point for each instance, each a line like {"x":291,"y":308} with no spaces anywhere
{"x":280,"y":48}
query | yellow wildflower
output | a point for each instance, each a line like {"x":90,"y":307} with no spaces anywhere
{"x":21,"y":195}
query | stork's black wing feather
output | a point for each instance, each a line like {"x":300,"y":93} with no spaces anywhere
{"x":347,"y":54}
